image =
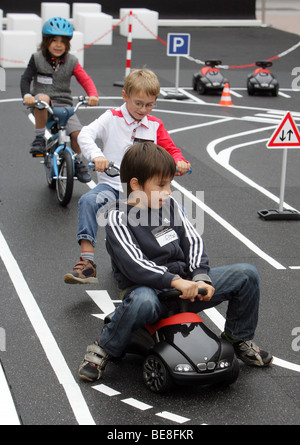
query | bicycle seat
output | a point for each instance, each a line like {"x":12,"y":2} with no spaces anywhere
{"x":63,"y":114}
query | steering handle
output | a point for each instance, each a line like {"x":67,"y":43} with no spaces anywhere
{"x":173,"y":294}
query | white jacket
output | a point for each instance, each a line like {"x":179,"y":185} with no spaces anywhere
{"x":117,"y":131}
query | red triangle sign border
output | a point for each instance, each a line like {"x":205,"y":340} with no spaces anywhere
{"x":283,"y":144}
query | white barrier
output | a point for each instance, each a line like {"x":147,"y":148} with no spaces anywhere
{"x":25,"y":22}
{"x":16,"y":48}
{"x":95,"y":25}
{"x":84,"y":7}
{"x":77,"y":44}
{"x":148,"y":19}
{"x":54,"y":9}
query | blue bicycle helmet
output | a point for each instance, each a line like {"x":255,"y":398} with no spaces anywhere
{"x":57,"y":26}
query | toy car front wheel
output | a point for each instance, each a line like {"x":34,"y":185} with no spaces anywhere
{"x":234,"y":373}
{"x":155,"y":374}
{"x":250,"y":89}
{"x":200,"y":87}
{"x":275,"y":91}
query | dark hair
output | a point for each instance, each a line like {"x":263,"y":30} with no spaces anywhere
{"x":143,"y":161}
{"x":48,"y":39}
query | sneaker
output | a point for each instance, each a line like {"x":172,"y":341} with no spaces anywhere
{"x":84,"y":272}
{"x":94,"y":363}
{"x":249,"y":352}
{"x":38,"y":146}
{"x":82,"y":172}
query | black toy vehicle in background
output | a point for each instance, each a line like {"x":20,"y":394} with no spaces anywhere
{"x":209,"y":79}
{"x":262,"y":81}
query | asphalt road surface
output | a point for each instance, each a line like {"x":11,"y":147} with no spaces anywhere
{"x":45,"y":325}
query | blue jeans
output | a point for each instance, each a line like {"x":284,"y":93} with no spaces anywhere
{"x":237,"y":283}
{"x":91,"y":209}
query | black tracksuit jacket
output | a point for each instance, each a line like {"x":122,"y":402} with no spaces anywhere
{"x":152,"y":247}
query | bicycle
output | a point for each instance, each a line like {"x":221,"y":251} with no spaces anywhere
{"x":59,"y":159}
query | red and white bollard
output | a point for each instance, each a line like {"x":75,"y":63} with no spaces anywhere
{"x":128,"y":52}
{"x":129,"y":45}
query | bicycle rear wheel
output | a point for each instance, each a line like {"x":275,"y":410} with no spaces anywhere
{"x":65,"y":180}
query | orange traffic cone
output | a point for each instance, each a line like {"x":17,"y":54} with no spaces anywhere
{"x":226,"y":98}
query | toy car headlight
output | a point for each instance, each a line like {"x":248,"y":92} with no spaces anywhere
{"x":223,"y":364}
{"x":183,"y":367}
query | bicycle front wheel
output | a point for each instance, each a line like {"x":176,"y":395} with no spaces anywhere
{"x":65,"y":180}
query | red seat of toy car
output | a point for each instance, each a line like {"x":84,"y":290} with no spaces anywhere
{"x":206,"y":69}
{"x":262,"y":70}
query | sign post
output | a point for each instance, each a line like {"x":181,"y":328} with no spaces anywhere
{"x":178,"y":46}
{"x":284,"y":137}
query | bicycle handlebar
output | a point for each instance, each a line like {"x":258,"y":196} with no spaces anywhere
{"x":112,"y":170}
{"x":112,"y":165}
{"x":41,"y":104}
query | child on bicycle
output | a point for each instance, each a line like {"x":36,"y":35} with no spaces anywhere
{"x":117,"y":129}
{"x":153,"y":247}
{"x":48,"y":77}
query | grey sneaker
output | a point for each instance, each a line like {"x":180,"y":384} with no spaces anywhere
{"x":94,"y":363}
{"x":249,"y":352}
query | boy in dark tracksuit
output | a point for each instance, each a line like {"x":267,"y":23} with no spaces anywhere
{"x":153,"y":247}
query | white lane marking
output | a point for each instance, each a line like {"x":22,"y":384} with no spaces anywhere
{"x":284,"y":94}
{"x":137,"y":404}
{"x":234,"y":93}
{"x":104,"y":389}
{"x":142,"y":406}
{"x":45,"y":336}
{"x":103,"y":300}
{"x":205,"y":124}
{"x":174,"y":417}
{"x":8,"y":412}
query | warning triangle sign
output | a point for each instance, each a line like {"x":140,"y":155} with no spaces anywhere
{"x":286,"y":134}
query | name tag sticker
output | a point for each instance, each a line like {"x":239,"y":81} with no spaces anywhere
{"x":164,"y":235}
{"x":45,"y":80}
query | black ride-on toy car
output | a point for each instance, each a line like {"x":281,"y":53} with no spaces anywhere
{"x":262,"y":81}
{"x":181,"y":349}
{"x":209,"y":79}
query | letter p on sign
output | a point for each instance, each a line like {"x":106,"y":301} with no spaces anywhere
{"x":178,"y":44}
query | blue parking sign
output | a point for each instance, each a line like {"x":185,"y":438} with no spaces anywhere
{"x":178,"y":44}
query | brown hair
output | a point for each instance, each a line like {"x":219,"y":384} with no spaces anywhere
{"x":48,"y":39}
{"x":142,"y":80}
{"x":143,"y":161}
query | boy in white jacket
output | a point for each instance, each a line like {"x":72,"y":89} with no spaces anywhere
{"x":117,"y":129}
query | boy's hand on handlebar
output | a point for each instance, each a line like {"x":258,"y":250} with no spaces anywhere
{"x":101,"y":163}
{"x":93,"y":101}
{"x":182,"y":168}
{"x":189,"y":289}
{"x":29,"y":100}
